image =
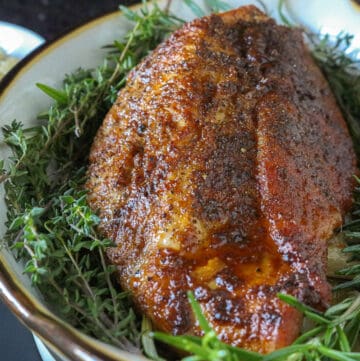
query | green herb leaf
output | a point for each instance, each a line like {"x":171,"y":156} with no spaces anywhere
{"x":57,"y":95}
{"x":216,"y":6}
{"x":195,"y":8}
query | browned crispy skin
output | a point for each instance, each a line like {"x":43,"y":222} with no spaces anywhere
{"x":223,"y":168}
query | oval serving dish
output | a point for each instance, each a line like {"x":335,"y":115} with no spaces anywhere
{"x":21,"y":100}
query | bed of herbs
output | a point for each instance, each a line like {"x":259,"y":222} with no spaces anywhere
{"x":52,"y":229}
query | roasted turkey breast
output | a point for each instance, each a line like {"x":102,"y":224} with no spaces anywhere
{"x":223,"y":168}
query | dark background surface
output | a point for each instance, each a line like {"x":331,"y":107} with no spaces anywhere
{"x":50,"y":19}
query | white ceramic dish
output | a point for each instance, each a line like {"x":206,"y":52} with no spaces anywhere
{"x":21,"y":100}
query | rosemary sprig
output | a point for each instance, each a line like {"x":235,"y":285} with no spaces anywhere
{"x":331,"y":337}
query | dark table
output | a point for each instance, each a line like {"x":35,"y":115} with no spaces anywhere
{"x":49,"y":18}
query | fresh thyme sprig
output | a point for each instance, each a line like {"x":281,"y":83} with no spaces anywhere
{"x":50,"y":226}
